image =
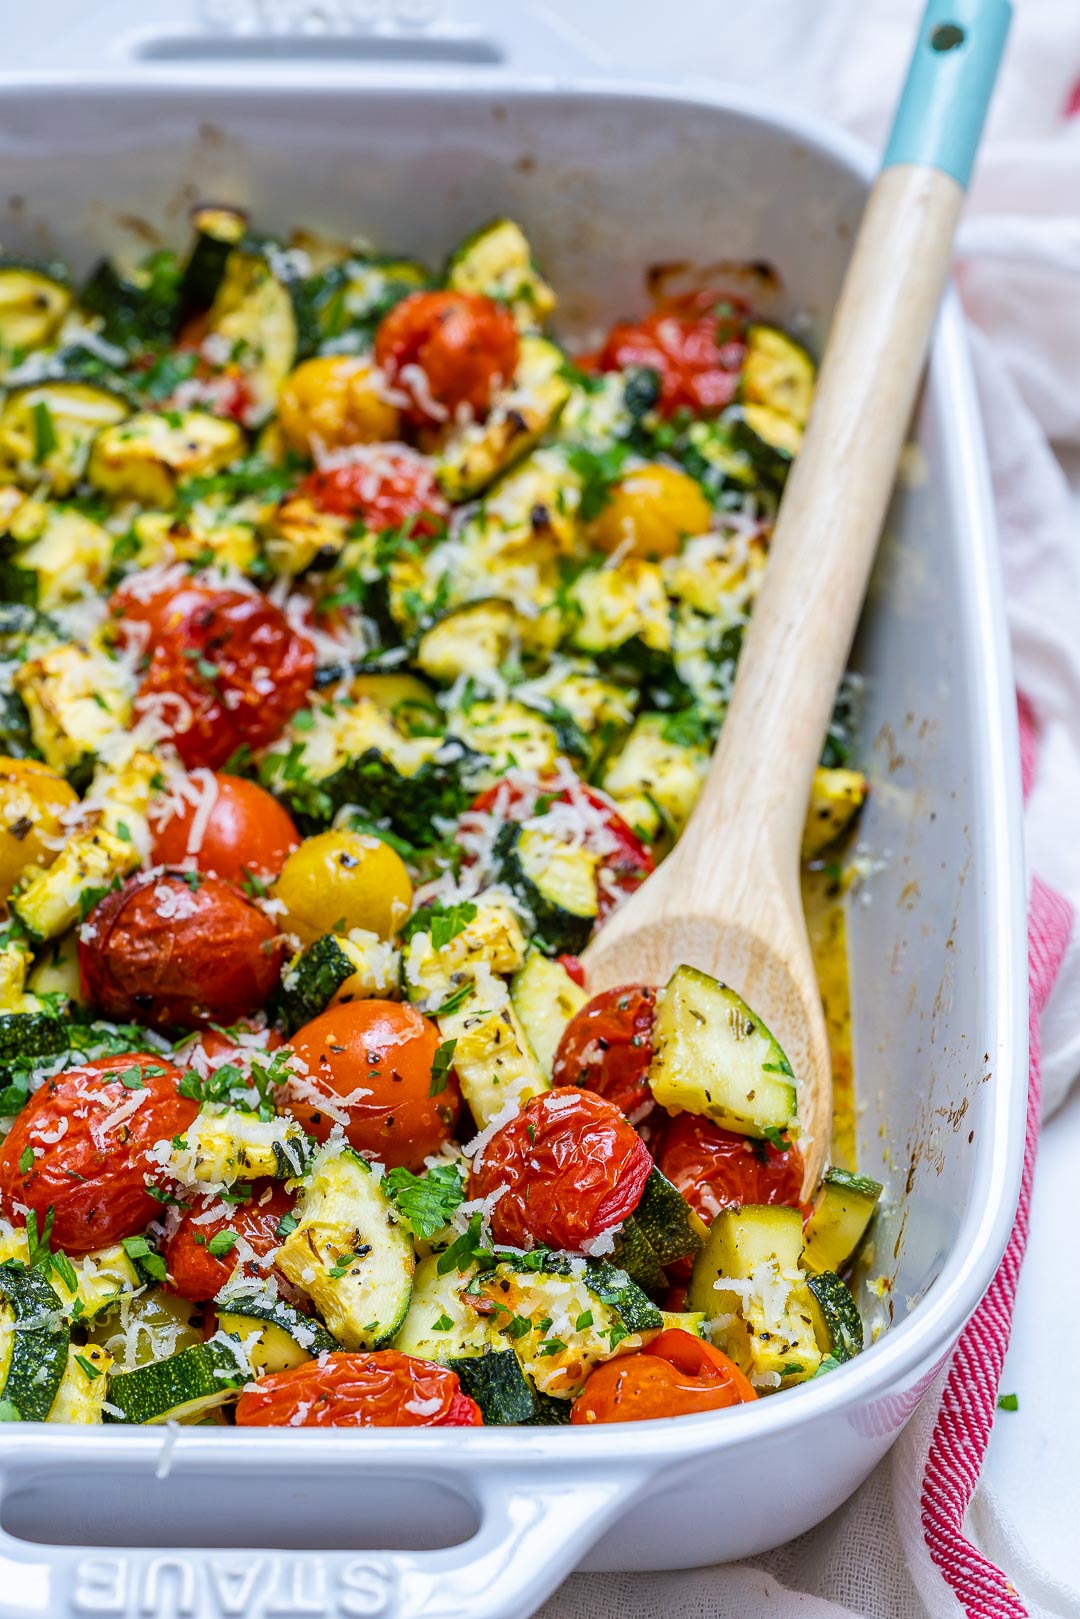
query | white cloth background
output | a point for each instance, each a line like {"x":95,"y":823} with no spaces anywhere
{"x":1019,"y":274}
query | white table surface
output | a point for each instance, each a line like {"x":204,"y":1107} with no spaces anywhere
{"x":1033,"y":1451}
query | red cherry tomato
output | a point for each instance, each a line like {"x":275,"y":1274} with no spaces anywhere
{"x":716,"y":1169}
{"x":574,"y":968}
{"x":197,"y":1274}
{"x":170,"y":952}
{"x":696,"y":344}
{"x":571,"y":1165}
{"x":607,"y":1048}
{"x":368,"y":1065}
{"x":675,"y":1376}
{"x":462,"y":345}
{"x":226,"y":668}
{"x":381,"y":1390}
{"x":88,"y":1132}
{"x":625,"y":862}
{"x":386,"y":490}
{"x":229,"y":827}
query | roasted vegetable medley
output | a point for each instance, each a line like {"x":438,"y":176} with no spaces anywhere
{"x":361,"y":650}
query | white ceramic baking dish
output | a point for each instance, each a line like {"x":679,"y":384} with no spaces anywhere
{"x":483,"y":1524}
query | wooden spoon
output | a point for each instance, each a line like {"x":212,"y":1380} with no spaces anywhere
{"x":727,"y":899}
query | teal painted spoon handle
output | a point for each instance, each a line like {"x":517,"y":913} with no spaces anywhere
{"x":727,"y":899}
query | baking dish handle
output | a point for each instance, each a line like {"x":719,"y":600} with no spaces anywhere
{"x":534,"y":1527}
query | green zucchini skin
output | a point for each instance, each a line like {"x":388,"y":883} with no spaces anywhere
{"x":561,"y":931}
{"x":613,"y":1286}
{"x":199,"y":1377}
{"x":635,"y":1254}
{"x":217,"y":231}
{"x":313,"y":981}
{"x":497,"y":1383}
{"x":442,"y":786}
{"x":841,"y":1216}
{"x":667,"y":1220}
{"x":840,"y":1329}
{"x":38,"y":1358}
{"x":550,"y":1413}
{"x":140,"y":309}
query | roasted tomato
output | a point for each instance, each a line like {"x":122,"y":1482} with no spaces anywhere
{"x":84,"y":1138}
{"x":571,"y":1165}
{"x":381,"y":1390}
{"x":196,"y":1273}
{"x":625,"y":861}
{"x":387,"y":489}
{"x":675,"y":1376}
{"x":607,"y":1047}
{"x":177,"y":950}
{"x":225,"y":825}
{"x":573,"y":968}
{"x":368,"y":1066}
{"x":447,"y":350}
{"x":696,"y":345}
{"x":716,"y":1169}
{"x":226,"y":668}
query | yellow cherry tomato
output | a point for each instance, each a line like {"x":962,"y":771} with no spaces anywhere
{"x":335,"y":400}
{"x":651,"y":510}
{"x":32,"y":800}
{"x":337,"y":881}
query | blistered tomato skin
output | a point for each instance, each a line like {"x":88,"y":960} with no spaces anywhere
{"x":696,"y":345}
{"x":372,"y":1061}
{"x":675,"y":1376}
{"x":380,"y":1390}
{"x":86,"y":1163}
{"x":229,"y":828}
{"x":178,"y":950}
{"x":464,"y":346}
{"x":391,"y":489}
{"x":226,"y":669}
{"x":607,"y":1048}
{"x":197,"y":1274}
{"x":716,"y":1169}
{"x":572,"y":1167}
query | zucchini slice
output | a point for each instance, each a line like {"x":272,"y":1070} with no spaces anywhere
{"x":509,"y":736}
{"x":66,"y":559}
{"x":76,"y":698}
{"x":765,"y":1319}
{"x":555,"y":879}
{"x":349,"y":1252}
{"x":180,"y":1388}
{"x":34,"y":298}
{"x":256,"y":314}
{"x":147,"y":457}
{"x":838,"y":1325}
{"x":496,"y":1381}
{"x":332,"y":970}
{"x":444,"y":1326}
{"x":472,"y":456}
{"x":496,"y":261}
{"x":655,"y":778}
{"x":715,"y":1057}
{"x":49,"y":905}
{"x":843,"y":1210}
{"x":490,"y":942}
{"x":664,"y":1216}
{"x":550,"y":1412}
{"x":83,"y":1389}
{"x":545,"y":998}
{"x":217,"y":231}
{"x":272,"y":1333}
{"x":34,"y":1339}
{"x":493,"y":1059}
{"x":220,"y":1148}
{"x":624,"y":615}
{"x":30,"y":1037}
{"x":778,"y":374}
{"x":564,"y":1321}
{"x":47,"y":428}
{"x":347,"y":300}
{"x":836,"y":801}
{"x":635,"y":1254}
{"x":472,"y":640}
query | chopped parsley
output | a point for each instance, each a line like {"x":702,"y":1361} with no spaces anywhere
{"x":146,"y":1258}
{"x":441,"y":1064}
{"x":221,"y":1243}
{"x":427,"y":1201}
{"x":1008,"y":1402}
